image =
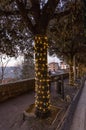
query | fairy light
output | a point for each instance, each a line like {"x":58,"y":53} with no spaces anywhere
{"x":42,"y":101}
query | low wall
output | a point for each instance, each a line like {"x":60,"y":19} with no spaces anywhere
{"x":14,"y":89}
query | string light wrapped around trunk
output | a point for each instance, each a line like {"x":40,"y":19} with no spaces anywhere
{"x":71,"y":75}
{"x":42,"y":101}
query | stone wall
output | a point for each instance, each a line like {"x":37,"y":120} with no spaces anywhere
{"x":11,"y":90}
{"x":14,"y":89}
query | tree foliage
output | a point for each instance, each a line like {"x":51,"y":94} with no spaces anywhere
{"x":15,"y":37}
{"x":68,"y":32}
{"x":20,"y":20}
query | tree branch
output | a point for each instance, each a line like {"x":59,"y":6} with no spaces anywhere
{"x":25,"y":17}
{"x":49,"y":9}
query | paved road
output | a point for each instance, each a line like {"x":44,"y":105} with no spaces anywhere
{"x":79,"y":120}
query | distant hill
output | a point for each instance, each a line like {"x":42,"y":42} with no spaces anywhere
{"x":10,"y":72}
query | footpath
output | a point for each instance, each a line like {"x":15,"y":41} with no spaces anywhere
{"x":11,"y":111}
{"x":79,"y":118}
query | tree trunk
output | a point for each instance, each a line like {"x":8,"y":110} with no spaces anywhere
{"x":71,"y":74}
{"x":42,"y":101}
{"x":79,"y":71}
{"x":74,"y":64}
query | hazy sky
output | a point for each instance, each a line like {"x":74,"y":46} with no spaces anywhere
{"x":18,"y":61}
{"x":12,"y":61}
{"x":53,"y":59}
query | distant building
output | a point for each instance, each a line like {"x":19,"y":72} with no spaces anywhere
{"x":53,"y":66}
{"x":63,"y":65}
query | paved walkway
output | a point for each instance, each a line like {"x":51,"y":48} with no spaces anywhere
{"x":11,"y":111}
{"x":79,"y":120}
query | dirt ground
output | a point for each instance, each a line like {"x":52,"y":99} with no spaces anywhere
{"x":57,"y":100}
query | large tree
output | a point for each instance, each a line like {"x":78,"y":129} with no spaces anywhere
{"x":81,"y":61}
{"x":68,"y":35}
{"x":35,"y":16}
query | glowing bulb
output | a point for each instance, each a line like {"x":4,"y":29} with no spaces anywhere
{"x":42,"y":92}
{"x":46,"y":37}
{"x":44,"y":110}
{"x":43,"y":96}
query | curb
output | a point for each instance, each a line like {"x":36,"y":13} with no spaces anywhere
{"x":67,"y":119}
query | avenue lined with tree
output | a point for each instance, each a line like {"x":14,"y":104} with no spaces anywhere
{"x":36,"y":26}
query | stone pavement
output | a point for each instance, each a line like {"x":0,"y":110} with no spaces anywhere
{"x":79,"y":119}
{"x":11,"y":112}
{"x":11,"y":117}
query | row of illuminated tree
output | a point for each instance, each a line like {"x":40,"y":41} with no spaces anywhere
{"x":62,"y":31}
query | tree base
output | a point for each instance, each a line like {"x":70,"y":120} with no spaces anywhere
{"x":32,"y":113}
{"x":40,"y":114}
